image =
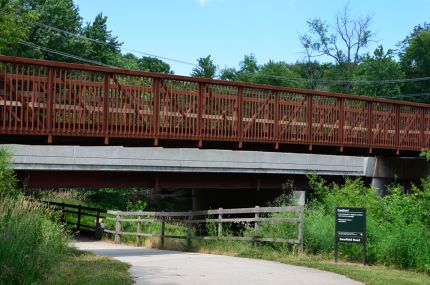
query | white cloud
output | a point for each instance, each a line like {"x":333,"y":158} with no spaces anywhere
{"x":203,"y":2}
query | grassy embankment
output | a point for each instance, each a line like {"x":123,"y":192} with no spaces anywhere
{"x":35,"y":249}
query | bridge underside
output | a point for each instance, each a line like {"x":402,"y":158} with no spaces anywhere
{"x":158,"y":181}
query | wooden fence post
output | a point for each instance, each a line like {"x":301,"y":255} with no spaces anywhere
{"x":163,"y":229}
{"x":256,"y":216}
{"x":117,"y":229}
{"x":190,"y":216}
{"x":220,"y":222}
{"x":138,"y":231}
{"x":300,"y":229}
{"x":78,"y":227}
{"x":62,"y":212}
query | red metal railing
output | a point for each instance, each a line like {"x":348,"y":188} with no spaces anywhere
{"x":60,"y":99}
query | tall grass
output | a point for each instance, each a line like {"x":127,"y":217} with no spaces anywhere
{"x":398,"y":224}
{"x":30,"y":243}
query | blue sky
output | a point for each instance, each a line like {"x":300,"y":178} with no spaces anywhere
{"x":229,"y":29}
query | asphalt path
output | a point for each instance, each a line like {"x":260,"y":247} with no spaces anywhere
{"x":166,"y":267}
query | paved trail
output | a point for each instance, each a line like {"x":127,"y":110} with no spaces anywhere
{"x":163,"y":267}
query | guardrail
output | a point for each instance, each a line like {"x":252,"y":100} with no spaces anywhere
{"x":46,"y":98}
{"x":192,"y":218}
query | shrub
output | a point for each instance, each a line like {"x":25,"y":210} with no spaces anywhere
{"x":30,"y":243}
{"x":397,"y":224}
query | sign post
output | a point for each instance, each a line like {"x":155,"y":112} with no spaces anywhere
{"x":350,"y":228}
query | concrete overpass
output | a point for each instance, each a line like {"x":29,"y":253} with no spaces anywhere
{"x":61,"y":166}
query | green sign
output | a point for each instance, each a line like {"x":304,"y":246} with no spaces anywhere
{"x":350,"y":224}
{"x":350,"y":228}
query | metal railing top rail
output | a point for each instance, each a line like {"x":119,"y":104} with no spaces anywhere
{"x":110,"y":70}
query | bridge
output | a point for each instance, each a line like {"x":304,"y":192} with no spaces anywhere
{"x":73,"y":125}
{"x":62,"y":103}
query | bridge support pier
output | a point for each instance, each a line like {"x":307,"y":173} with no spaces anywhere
{"x":403,"y":170}
{"x":380,"y":184}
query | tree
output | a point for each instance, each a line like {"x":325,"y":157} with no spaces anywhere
{"x":61,"y":14}
{"x":279,"y":74}
{"x":381,"y":66}
{"x":248,"y":68}
{"x":415,"y":59}
{"x":103,"y":46}
{"x":14,"y":29}
{"x":206,"y":68}
{"x":343,"y":43}
{"x":152,"y":64}
{"x":228,"y":73}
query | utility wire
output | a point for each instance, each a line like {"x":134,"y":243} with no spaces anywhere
{"x":42,"y":25}
{"x":397,"y":96}
{"x":316,"y":81}
{"x":28,"y":44}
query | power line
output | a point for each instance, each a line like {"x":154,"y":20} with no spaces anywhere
{"x":28,"y":44}
{"x":316,"y":81}
{"x":42,"y":25}
{"x":396,"y":96}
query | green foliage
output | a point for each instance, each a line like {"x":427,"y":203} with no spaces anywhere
{"x":415,"y":59}
{"x":107,"y":46}
{"x":278,"y":74}
{"x":379,"y":67}
{"x":397,"y":224}
{"x":13,"y":29}
{"x":62,"y":14}
{"x":206,"y":68}
{"x":30,"y":243}
{"x":8,"y":179}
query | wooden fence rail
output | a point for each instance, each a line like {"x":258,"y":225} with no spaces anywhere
{"x":193,"y":218}
{"x":79,"y":211}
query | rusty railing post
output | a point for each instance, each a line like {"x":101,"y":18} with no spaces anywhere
{"x":156,"y":109}
{"x":239,"y":115}
{"x":106,"y":88}
{"x":276,"y":108}
{"x":369,"y":126}
{"x":50,"y":99}
{"x":422,"y":129}
{"x":341,"y":122}
{"x":309,"y":120}
{"x":397,"y":130}
{"x":200,"y":100}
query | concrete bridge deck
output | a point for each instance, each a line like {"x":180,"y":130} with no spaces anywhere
{"x":156,"y":167}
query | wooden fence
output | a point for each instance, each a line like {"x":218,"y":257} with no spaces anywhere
{"x":255,"y":215}
{"x":78,"y":211}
